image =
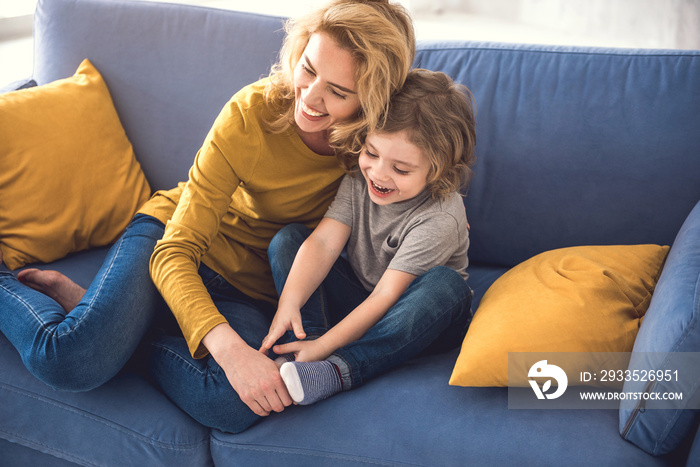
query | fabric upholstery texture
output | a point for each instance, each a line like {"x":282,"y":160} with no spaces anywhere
{"x":576,"y":146}
{"x":669,"y":340}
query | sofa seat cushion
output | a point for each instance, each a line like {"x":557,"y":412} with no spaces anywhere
{"x":377,"y":424}
{"x":125,"y":422}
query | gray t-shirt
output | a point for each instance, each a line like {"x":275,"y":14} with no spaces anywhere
{"x":412,"y":236}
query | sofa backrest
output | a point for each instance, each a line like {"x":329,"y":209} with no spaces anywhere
{"x":170,"y":68}
{"x":576,"y":146}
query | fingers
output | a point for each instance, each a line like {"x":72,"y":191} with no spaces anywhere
{"x":291,"y":347}
{"x":274,"y":398}
{"x":298,"y":329}
{"x":270,"y":339}
{"x":276,"y":332}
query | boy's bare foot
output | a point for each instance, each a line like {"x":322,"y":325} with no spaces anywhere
{"x":54,"y":284}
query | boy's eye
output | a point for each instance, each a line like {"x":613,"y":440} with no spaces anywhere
{"x":401,"y":172}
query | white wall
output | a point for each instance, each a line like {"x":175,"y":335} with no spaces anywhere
{"x":638,"y":23}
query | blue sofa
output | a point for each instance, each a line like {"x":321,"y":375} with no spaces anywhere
{"x":576,"y":146}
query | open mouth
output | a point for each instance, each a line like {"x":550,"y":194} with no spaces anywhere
{"x":382,"y":190}
{"x":310,"y":111}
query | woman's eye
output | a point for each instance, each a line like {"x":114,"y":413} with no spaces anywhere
{"x":337,"y":94}
{"x":307,"y":70}
{"x":373,"y":156}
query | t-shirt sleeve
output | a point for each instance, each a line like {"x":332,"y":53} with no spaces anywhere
{"x":430,"y":241}
{"x":341,"y":209}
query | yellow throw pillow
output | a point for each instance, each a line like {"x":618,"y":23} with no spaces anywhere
{"x":69,"y":179}
{"x":579,"y":299}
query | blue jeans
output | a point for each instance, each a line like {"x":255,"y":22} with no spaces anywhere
{"x":83,"y":349}
{"x":199,"y":386}
{"x":436,"y":307}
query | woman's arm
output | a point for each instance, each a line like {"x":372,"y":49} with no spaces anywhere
{"x":311,"y":265}
{"x":387,"y":292}
{"x":205,"y":199}
{"x":225,"y":160}
{"x":255,"y":377}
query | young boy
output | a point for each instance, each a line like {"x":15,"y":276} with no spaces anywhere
{"x":400,"y":214}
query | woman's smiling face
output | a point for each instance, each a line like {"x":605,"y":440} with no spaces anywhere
{"x":395,"y":169}
{"x":325,"y":87}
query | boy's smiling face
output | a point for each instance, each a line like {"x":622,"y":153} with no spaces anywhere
{"x":394,"y":168}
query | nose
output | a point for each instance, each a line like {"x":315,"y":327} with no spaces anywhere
{"x":380,"y":170}
{"x":313,"y":91}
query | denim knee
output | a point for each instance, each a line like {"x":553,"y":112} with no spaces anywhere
{"x":290,"y":237}
{"x":71,"y":374}
{"x":447,"y":278}
{"x":283,"y":249}
{"x":458,"y":298}
{"x":451,"y":286}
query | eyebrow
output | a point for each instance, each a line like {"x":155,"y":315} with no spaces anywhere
{"x":342,"y":88}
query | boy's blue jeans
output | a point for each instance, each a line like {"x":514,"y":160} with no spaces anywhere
{"x":436,"y":307}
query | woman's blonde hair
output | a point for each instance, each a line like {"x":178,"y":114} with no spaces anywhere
{"x":439,"y":116}
{"x":379,"y":35}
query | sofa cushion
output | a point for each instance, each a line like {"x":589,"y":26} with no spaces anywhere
{"x":576,"y":146}
{"x":170,"y":67}
{"x":669,"y":340}
{"x":69,"y":176}
{"x":579,"y":299}
{"x":124,"y":422}
{"x":411,"y":416}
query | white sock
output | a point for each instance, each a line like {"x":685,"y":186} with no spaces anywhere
{"x":310,"y":382}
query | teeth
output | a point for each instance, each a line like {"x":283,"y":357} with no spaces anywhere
{"x":307,"y":110}
{"x":382,"y":189}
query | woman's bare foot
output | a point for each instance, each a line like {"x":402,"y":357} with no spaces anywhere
{"x":54,"y":284}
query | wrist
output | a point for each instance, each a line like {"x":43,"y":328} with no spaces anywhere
{"x":222,"y":339}
{"x":324,"y":346}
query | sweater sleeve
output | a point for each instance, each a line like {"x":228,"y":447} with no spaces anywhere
{"x":227,"y":157}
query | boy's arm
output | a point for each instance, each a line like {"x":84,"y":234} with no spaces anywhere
{"x":387,"y":292}
{"x":311,"y":265}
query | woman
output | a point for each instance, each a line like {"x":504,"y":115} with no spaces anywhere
{"x":267,"y":161}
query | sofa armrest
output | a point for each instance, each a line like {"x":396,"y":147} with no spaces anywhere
{"x":668,"y":339}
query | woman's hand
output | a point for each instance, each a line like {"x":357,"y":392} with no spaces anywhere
{"x":286,"y":319}
{"x":254,"y":376}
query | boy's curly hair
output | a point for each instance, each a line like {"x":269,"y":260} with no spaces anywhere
{"x":440,"y":118}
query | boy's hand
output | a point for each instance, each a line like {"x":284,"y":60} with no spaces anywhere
{"x":305,"y":351}
{"x":286,"y":319}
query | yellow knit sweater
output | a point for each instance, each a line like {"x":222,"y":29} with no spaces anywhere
{"x":245,"y":184}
